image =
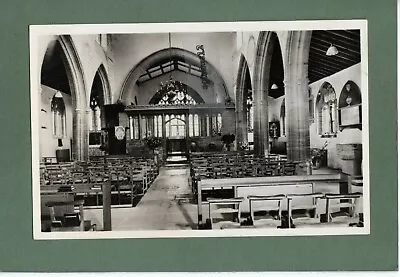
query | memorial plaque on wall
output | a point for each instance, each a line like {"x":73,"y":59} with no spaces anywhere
{"x":350,"y":115}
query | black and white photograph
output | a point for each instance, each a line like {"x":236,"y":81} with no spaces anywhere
{"x":199,"y":129}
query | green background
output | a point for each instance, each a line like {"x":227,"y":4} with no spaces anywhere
{"x":19,"y":252}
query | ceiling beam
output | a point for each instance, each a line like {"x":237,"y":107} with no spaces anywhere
{"x":148,"y":73}
{"x":336,"y":61}
{"x":323,"y":53}
{"x":342,"y":50}
{"x":320,"y":71}
{"x":353,"y":37}
{"x":324,"y":67}
{"x":352,"y":46}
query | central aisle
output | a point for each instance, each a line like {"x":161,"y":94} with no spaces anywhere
{"x":165,"y":206}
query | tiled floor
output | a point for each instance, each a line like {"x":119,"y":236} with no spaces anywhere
{"x":167,"y":204}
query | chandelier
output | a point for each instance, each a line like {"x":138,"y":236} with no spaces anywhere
{"x":173,"y":91}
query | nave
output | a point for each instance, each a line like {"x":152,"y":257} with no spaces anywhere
{"x":269,"y":125}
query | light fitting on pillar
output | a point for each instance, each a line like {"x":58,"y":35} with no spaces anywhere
{"x":332,"y":51}
{"x":274,"y":86}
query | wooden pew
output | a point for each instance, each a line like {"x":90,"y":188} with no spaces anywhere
{"x":257,"y":203}
{"x":350,"y":205}
{"x":215,"y":209}
{"x":311,"y":211}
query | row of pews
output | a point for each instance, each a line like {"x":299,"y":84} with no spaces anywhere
{"x":238,"y":165}
{"x":240,"y":186}
{"x":64,"y":186}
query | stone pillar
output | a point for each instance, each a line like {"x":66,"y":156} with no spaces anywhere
{"x":296,"y":100}
{"x":80,"y":136}
{"x":297,"y":120}
{"x":260,"y":122}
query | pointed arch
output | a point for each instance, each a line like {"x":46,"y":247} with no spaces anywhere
{"x":106,"y":84}
{"x":76,"y":80}
{"x":350,"y":94}
{"x":326,"y":104}
{"x":164,"y":54}
{"x":263,"y":60}
{"x":244,"y":95}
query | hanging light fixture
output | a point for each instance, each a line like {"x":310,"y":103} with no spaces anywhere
{"x":332,"y":51}
{"x":173,"y":89}
{"x":274,"y":86}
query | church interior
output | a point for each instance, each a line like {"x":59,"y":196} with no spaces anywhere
{"x":200,"y":130}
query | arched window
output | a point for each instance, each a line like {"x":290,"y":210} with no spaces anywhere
{"x":250,"y":112}
{"x":191,"y":125}
{"x":95,"y":115}
{"x":350,"y":95}
{"x":350,"y":108}
{"x":196,"y":125}
{"x":59,"y":118}
{"x":327,"y":111}
{"x":207,"y":125}
{"x":283,"y":118}
{"x":159,"y":126}
{"x":219,"y":123}
{"x":174,"y":93}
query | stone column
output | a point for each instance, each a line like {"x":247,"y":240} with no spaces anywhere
{"x":260,"y":122}
{"x":79,"y":136}
{"x":296,"y":100}
{"x":297,"y":119}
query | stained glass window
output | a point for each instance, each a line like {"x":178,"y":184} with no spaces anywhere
{"x":58,"y":110}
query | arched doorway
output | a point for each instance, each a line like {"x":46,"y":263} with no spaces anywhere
{"x":61,"y":74}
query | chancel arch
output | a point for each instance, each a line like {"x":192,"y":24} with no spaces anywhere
{"x":183,"y":65}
